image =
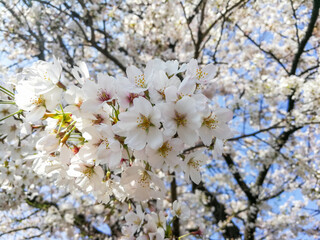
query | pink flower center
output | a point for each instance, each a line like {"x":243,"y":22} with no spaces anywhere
{"x":132,"y":96}
{"x":104,"y":96}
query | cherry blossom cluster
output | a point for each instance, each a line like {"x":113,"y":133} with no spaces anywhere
{"x":155,"y":225}
{"x":120,"y":136}
{"x":254,"y":44}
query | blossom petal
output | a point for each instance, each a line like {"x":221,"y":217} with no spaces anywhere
{"x":142,"y":106}
{"x":187,"y":135}
{"x":205,"y":135}
{"x":195,"y":175}
{"x":154,"y":138}
{"x":224,"y":114}
{"x":35,"y":114}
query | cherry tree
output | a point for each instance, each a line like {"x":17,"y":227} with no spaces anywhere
{"x":159,"y":119}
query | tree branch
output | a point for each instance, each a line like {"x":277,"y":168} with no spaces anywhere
{"x":244,"y":187}
{"x":174,"y":197}
{"x":19,"y":229}
{"x":271,"y":54}
{"x":301,"y":46}
{"x":304,"y":41}
{"x":231,"y":231}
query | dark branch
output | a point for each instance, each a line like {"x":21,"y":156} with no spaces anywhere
{"x":231,"y":231}
{"x":19,"y":229}
{"x":301,"y":46}
{"x":304,"y":41}
{"x":174,"y":197}
{"x":244,"y":187}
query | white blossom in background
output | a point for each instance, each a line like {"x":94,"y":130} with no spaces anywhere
{"x":180,"y":210}
{"x":135,"y":220}
{"x":192,"y":164}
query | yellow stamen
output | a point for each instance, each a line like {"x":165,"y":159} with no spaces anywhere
{"x":210,"y":122}
{"x":139,"y":81}
{"x":164,"y":149}
{"x":180,"y":119}
{"x":144,"y":122}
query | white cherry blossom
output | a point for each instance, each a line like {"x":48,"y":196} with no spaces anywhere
{"x":215,"y":124}
{"x":141,"y":125}
{"x":141,"y":184}
{"x":182,"y":118}
{"x":192,"y":164}
{"x":108,"y":149}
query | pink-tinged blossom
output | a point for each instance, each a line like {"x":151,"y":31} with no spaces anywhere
{"x":124,"y":94}
{"x":98,"y":94}
{"x":140,"y":125}
{"x":88,"y":176}
{"x":101,"y":117}
{"x":182,"y":118}
{"x":102,"y":141}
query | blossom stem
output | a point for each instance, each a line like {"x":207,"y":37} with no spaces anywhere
{"x":172,"y":220}
{"x":6,"y":91}
{"x":62,"y":120}
{"x":186,"y":235}
{"x":67,"y":135}
{"x":116,"y":112}
{"x":7,"y":102}
{"x":61,"y":85}
{"x":71,"y":125}
{"x":126,"y":148}
{"x":20,"y":111}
